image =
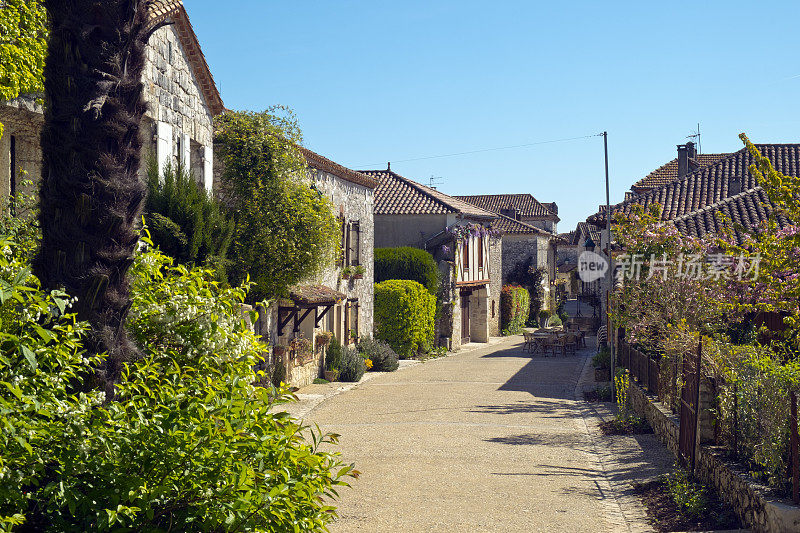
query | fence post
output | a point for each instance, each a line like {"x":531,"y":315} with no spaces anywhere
{"x":736,"y":420}
{"x":697,"y":400}
{"x":795,"y":459}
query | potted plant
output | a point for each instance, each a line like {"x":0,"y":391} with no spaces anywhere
{"x":602,"y":365}
{"x":358,"y":271}
{"x":544,"y":314}
{"x":346,"y":272}
{"x":333,"y":359}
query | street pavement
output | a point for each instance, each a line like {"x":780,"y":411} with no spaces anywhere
{"x":489,"y":440}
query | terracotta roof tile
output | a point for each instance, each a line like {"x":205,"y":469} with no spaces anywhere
{"x":525,"y":204}
{"x":516,"y":227}
{"x":396,"y":195}
{"x":315,"y":295}
{"x":711,"y":184}
{"x":669,"y":172}
{"x":326,"y":165}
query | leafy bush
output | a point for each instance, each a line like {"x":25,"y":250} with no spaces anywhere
{"x":353,"y":366}
{"x":333,"y":355}
{"x":159,"y":455}
{"x":407,"y":263}
{"x":404,"y":316}
{"x":602,"y":359}
{"x":514,"y":308}
{"x":185,"y":221}
{"x":690,"y":497}
{"x":383,"y":358}
{"x":286,"y":230}
{"x":525,"y":274}
{"x":544,"y":314}
{"x":554,"y":321}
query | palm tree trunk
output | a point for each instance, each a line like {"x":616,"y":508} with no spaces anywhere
{"x":91,"y":196}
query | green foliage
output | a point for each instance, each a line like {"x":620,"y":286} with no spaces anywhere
{"x":514,"y":308}
{"x":544,"y":314}
{"x":185,"y":222}
{"x":352,"y":366}
{"x":527,"y":275}
{"x":408,"y":263}
{"x":333,"y":355}
{"x":554,"y":321}
{"x":621,"y":383}
{"x":404,"y":316}
{"x":188,"y":443}
{"x":690,"y":497}
{"x":383,"y":358}
{"x":23,"y":48}
{"x":603,"y":358}
{"x":286,"y":229}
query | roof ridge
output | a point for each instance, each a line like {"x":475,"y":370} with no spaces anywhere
{"x":333,"y":167}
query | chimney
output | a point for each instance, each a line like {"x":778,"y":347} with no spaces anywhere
{"x":692,"y":150}
{"x":509,"y":211}
{"x":389,"y":166}
{"x":683,"y":160}
{"x":734,"y":185}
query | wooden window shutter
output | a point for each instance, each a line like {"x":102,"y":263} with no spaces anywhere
{"x":343,"y":247}
{"x":480,"y":252}
{"x":355,"y":243}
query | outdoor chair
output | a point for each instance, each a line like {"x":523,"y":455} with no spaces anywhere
{"x":566,"y":343}
{"x":530,"y":342}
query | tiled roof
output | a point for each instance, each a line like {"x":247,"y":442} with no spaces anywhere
{"x":396,"y":195}
{"x":161,"y":10}
{"x":515,"y":227}
{"x":525,"y":204}
{"x":747,"y":209}
{"x":315,"y":295}
{"x":584,"y":231}
{"x":669,"y":172}
{"x":710,"y":185}
{"x":326,"y":165}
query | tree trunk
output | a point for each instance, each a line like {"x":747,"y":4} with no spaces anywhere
{"x":91,"y":195}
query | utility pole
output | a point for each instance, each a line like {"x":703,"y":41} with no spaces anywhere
{"x":610,"y":273}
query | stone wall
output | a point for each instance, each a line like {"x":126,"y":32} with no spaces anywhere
{"x":180,"y":125}
{"x":750,"y":500}
{"x":496,"y":285}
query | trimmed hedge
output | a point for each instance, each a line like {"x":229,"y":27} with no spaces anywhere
{"x":407,"y":263}
{"x":404,"y":316}
{"x":514,"y":308}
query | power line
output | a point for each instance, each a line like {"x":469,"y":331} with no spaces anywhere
{"x":483,"y":150}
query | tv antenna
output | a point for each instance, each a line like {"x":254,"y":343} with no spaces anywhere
{"x":695,"y":136}
{"x":433,"y":181}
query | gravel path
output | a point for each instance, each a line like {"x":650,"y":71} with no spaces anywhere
{"x":490,"y":440}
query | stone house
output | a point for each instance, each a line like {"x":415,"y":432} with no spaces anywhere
{"x":182,"y":100}
{"x":460,"y":237}
{"x":328,"y":303}
{"x":527,"y":227}
{"x":523,"y":207}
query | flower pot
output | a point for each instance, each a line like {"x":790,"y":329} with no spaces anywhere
{"x":358,"y":276}
{"x":602,"y":374}
{"x":346,"y":276}
{"x":331,"y":375}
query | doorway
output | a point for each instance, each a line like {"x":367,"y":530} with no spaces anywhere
{"x":465,"y":297}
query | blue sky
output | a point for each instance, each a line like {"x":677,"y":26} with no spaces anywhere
{"x":373,"y":82}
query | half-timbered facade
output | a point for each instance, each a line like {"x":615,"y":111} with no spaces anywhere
{"x":459,"y":237}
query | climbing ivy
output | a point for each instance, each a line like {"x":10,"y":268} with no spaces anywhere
{"x":23,"y":48}
{"x":286,"y":229}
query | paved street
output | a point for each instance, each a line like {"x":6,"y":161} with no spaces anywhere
{"x":491,"y":440}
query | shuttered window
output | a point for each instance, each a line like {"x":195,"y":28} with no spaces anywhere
{"x":354,"y":246}
{"x":343,"y":248}
{"x":480,"y":252}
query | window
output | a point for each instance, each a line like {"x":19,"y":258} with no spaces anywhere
{"x":465,"y":249}
{"x":343,"y":256}
{"x":352,"y":326}
{"x":493,"y":308}
{"x":354,"y":246}
{"x":480,"y":252}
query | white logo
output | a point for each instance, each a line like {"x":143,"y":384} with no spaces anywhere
{"x":591,"y":266}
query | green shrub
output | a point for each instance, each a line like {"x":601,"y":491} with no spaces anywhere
{"x":184,"y":221}
{"x":353,"y":366}
{"x":554,"y":321}
{"x":404,"y":316}
{"x":407,"y":263}
{"x":602,"y":359}
{"x":690,"y":497}
{"x":544,"y":314}
{"x":158,"y":456}
{"x":514,"y":308}
{"x":383,"y":358}
{"x":333,"y":355}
